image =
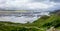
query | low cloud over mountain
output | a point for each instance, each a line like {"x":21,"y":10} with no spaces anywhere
{"x":30,"y":4}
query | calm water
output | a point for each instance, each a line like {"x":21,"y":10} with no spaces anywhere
{"x":18,"y":18}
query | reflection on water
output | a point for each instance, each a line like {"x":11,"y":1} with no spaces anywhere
{"x":20,"y":17}
{"x":17,"y":19}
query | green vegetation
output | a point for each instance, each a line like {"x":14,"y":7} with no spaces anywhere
{"x":41,"y":24}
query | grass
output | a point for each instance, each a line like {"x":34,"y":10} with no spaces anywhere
{"x":41,"y":24}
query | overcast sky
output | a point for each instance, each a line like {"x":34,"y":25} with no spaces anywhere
{"x":30,"y":4}
{"x":41,"y":5}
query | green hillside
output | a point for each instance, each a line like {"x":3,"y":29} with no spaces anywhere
{"x":42,"y":24}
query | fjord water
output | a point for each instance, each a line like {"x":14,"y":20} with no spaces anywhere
{"x":22,"y":18}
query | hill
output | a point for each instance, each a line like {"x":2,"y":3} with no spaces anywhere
{"x":42,"y":24}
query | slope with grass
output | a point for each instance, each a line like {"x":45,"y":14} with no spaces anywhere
{"x":41,"y":24}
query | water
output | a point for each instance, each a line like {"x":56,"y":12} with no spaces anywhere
{"x":21,"y":17}
{"x":17,"y":19}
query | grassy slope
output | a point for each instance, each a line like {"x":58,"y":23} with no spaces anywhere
{"x":39,"y":25}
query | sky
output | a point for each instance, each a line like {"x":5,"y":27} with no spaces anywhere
{"x":40,"y":5}
{"x":30,"y":4}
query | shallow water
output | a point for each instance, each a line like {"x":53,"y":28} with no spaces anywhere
{"x":21,"y":18}
{"x":17,"y":19}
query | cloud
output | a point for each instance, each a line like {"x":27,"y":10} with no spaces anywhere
{"x":57,"y":1}
{"x":28,"y":4}
{"x":38,"y":5}
{"x":46,"y":0}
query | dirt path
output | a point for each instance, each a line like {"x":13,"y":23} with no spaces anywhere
{"x":57,"y":30}
{"x":53,"y":29}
